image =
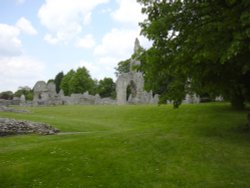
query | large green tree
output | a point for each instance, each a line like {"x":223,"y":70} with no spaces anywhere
{"x":199,"y":46}
{"x":65,"y":83}
{"x":81,"y":82}
{"x":106,"y":88}
{"x":58,"y":80}
{"x":7,"y":95}
{"x":26,"y":91}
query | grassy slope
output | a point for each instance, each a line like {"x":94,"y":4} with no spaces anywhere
{"x":130,"y":146}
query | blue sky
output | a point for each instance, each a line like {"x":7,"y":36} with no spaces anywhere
{"x":40,"y":38}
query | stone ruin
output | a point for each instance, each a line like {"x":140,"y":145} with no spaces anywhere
{"x":134,"y":81}
{"x":7,"y":109}
{"x":86,"y":99}
{"x":17,"y":127}
{"x":129,"y":90}
{"x":191,"y":99}
{"x":45,"y":94}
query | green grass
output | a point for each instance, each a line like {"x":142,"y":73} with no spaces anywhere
{"x":205,"y":145}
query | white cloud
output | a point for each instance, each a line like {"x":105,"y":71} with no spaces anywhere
{"x":64,"y":35}
{"x":50,"y":39}
{"x":104,"y":67}
{"x":10,"y":44}
{"x":87,"y":42}
{"x":20,"y":71}
{"x":117,"y":43}
{"x":129,"y":12}
{"x":116,"y":46}
{"x":93,"y":68}
{"x":20,"y":1}
{"x":106,"y":10}
{"x":64,"y":18}
{"x":25,"y":26}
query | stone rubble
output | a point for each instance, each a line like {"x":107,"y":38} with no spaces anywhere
{"x":18,"y":127}
{"x":7,"y":109}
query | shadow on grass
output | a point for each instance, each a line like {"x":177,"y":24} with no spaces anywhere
{"x":223,"y":123}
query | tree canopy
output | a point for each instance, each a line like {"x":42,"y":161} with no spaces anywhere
{"x":7,"y":95}
{"x":65,"y":83}
{"x":106,"y":88}
{"x":122,"y":67}
{"x":81,"y":81}
{"x":198,"y":46}
{"x":78,"y":81}
{"x":26,"y":91}
{"x":58,"y":80}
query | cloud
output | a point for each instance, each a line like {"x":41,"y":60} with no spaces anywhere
{"x":10,"y":44}
{"x":86,"y":42}
{"x":117,"y":43}
{"x":25,"y":26}
{"x":93,"y":68}
{"x":116,"y":46}
{"x":16,"y":69}
{"x":129,"y":12}
{"x":64,"y":19}
{"x":101,"y":68}
{"x":20,"y":1}
{"x":50,"y":39}
{"x":20,"y":71}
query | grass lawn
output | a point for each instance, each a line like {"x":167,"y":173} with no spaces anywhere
{"x":204,"y":145}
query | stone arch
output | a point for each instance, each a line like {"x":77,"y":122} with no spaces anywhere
{"x":131,"y":91}
{"x":132,"y":80}
{"x":39,"y":96}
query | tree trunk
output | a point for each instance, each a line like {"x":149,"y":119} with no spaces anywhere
{"x":248,"y":119}
{"x":238,"y":102}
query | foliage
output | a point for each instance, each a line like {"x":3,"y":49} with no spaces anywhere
{"x":26,"y":91}
{"x":106,"y":88}
{"x":7,"y":95}
{"x":198,"y":46}
{"x":81,"y":82}
{"x":65,"y":83}
{"x":122,"y":67}
{"x":130,"y":146}
{"x":95,"y":87}
{"x":58,"y":80}
{"x":77,"y":81}
{"x":50,"y":81}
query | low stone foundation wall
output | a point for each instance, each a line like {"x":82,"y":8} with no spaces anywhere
{"x":17,"y":127}
{"x":7,"y":109}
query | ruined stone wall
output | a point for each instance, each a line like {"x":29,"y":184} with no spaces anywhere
{"x":135,"y":81}
{"x":45,"y":94}
{"x":17,"y":127}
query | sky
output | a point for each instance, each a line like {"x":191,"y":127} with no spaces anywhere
{"x":40,"y":38}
